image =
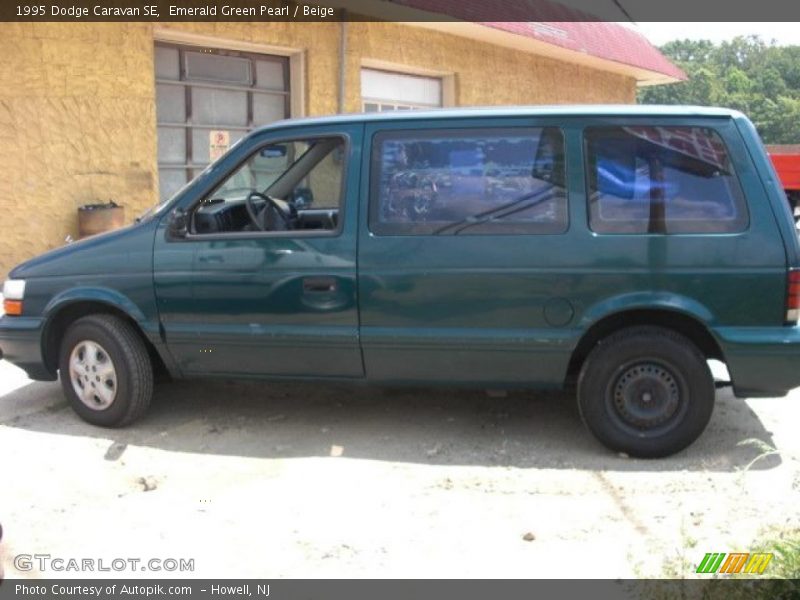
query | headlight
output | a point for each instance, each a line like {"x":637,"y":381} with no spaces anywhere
{"x":13,"y":294}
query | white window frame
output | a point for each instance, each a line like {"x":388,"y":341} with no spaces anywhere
{"x":447,"y":79}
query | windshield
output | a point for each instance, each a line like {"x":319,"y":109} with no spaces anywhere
{"x":158,"y":208}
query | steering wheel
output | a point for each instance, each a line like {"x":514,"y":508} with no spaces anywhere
{"x":285,"y":212}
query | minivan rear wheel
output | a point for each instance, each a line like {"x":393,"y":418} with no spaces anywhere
{"x":105,"y":371}
{"x":646,"y":391}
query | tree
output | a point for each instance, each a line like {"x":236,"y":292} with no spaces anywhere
{"x":762,"y":80}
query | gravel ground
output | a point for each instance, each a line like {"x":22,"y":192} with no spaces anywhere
{"x":314,"y":480}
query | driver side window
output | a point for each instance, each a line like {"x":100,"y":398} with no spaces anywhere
{"x":285,"y":186}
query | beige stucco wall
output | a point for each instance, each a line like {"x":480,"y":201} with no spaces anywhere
{"x":484,"y":74}
{"x":77,"y":110}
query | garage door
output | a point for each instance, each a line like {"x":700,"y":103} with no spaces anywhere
{"x":206,"y":99}
{"x":385,"y":90}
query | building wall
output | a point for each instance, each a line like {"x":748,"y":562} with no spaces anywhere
{"x":77,"y":105}
{"x":484,"y":74}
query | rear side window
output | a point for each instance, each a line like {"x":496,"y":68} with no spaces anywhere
{"x":468,"y":182}
{"x":659,"y":180}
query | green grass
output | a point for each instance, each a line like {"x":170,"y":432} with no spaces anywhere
{"x":764,"y":451}
{"x":785,"y":563}
{"x":780,"y":581}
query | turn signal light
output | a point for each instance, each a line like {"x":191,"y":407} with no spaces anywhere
{"x":12,"y":307}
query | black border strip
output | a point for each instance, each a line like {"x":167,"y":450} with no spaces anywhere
{"x":388,"y":589}
{"x":509,"y":11}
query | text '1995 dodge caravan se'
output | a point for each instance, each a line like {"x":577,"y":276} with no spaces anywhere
{"x":614,"y":248}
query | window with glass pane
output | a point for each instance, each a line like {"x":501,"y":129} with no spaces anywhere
{"x":384,"y":91}
{"x":657,"y":179}
{"x":468,"y":182}
{"x":202,"y":91}
{"x":260,"y":171}
{"x":319,"y":186}
{"x":293,"y":185}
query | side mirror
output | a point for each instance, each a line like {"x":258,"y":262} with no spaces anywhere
{"x":302,"y":197}
{"x":178,"y":224}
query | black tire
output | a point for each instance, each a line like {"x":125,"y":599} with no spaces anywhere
{"x":646,"y":391}
{"x":132,"y":379}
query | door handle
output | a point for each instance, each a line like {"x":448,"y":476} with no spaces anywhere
{"x":319,"y":285}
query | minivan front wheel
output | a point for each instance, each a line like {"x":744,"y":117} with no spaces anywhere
{"x":646,"y":391}
{"x":105,"y":371}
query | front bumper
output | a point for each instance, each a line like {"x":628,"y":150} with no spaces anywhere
{"x":21,"y":344}
{"x":762,"y":361}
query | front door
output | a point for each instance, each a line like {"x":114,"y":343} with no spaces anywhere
{"x":264,"y":280}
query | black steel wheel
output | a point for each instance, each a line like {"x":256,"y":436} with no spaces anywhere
{"x":646,"y":391}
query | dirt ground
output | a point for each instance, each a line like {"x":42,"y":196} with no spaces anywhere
{"x":313,"y":480}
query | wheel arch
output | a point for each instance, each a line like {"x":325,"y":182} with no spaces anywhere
{"x":689,"y":325}
{"x":64,"y":310}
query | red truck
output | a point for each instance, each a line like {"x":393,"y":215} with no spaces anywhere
{"x":786,"y":159}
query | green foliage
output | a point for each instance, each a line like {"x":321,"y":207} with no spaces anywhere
{"x":786,"y":549}
{"x":780,"y":580}
{"x":762,"y":80}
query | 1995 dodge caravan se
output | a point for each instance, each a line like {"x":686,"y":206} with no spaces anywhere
{"x":616,"y":248}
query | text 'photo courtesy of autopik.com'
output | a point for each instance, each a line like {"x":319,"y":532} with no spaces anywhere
{"x":399,"y":299}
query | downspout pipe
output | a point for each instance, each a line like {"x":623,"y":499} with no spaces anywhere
{"x":342,"y":61}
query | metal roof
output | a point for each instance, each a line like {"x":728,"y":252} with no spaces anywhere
{"x":589,"y":32}
{"x":607,"y":41}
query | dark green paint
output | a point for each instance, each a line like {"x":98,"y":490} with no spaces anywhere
{"x":482,"y":310}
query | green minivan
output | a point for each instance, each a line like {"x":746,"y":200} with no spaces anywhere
{"x":614,"y":250}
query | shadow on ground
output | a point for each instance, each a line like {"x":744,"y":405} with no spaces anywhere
{"x":433,"y":426}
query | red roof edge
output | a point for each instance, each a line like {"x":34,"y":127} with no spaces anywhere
{"x":608,"y":41}
{"x":560,"y":25}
